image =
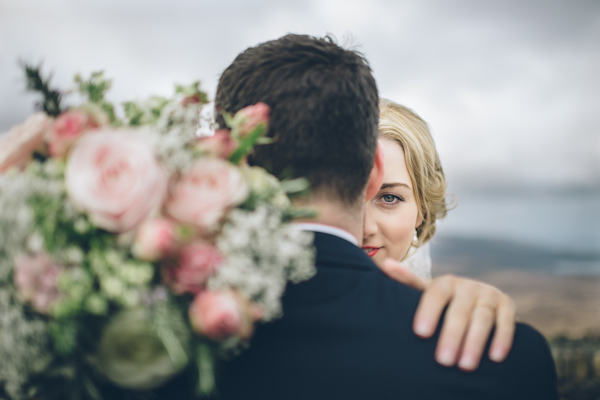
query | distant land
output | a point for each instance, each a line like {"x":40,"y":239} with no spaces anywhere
{"x":556,"y":292}
{"x":477,"y":256}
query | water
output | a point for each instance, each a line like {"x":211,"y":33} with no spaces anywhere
{"x":565,"y":223}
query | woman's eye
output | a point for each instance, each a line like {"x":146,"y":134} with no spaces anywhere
{"x":390,"y":199}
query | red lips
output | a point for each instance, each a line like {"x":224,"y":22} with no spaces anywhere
{"x":371,"y":251}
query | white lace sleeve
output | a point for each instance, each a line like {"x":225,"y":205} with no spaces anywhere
{"x":419,"y":262}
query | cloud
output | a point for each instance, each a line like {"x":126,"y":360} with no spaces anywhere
{"x":510,"y":88}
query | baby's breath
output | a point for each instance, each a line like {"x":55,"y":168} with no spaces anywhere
{"x":262,"y":255}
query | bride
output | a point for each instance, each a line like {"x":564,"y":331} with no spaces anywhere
{"x":401,"y":219}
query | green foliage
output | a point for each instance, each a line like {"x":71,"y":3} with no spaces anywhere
{"x":171,"y":327}
{"x":192,"y":91}
{"x":146,"y":114}
{"x":76,"y":285}
{"x":134,"y":113}
{"x":51,"y":98}
{"x":247,"y":143}
{"x":94,"y":88}
{"x":71,"y":375}
{"x":206,"y":354}
{"x":64,"y":334}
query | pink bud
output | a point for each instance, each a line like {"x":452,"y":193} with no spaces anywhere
{"x":65,"y":130}
{"x":221,"y":144}
{"x":194,"y":99}
{"x":35,"y":278}
{"x":220,"y":315}
{"x":195,"y":264}
{"x":155,"y":239}
{"x":250,"y":117}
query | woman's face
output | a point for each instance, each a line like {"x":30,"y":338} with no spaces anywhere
{"x":392,"y":215}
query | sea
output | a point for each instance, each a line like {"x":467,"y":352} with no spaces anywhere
{"x":555,"y":231}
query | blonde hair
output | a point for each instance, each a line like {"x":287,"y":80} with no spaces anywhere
{"x":403,"y":126}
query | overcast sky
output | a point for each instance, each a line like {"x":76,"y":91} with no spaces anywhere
{"x":511,"y":88}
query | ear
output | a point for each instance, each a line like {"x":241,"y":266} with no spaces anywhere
{"x":420,"y":220}
{"x":376,"y":177}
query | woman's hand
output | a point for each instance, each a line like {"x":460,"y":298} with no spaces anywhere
{"x":473,"y":309}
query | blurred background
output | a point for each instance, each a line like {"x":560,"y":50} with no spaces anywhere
{"x":511,"y":90}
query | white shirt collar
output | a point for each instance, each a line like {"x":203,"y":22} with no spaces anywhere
{"x":332,"y":230}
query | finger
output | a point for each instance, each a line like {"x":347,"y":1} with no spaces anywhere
{"x":397,"y":272}
{"x":454,"y":327}
{"x":433,"y":301}
{"x":505,"y":330}
{"x":482,"y":321}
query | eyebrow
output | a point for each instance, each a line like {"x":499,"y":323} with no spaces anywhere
{"x":393,"y":185}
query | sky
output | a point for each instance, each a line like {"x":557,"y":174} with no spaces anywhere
{"x":511,"y":89}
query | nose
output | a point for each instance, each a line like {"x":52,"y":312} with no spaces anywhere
{"x":370,"y":225}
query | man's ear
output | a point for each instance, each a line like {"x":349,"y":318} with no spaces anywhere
{"x":376,"y":177}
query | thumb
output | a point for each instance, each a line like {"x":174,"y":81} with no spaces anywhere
{"x":398,"y":272}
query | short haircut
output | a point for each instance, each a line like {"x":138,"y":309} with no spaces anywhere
{"x":403,"y":126}
{"x":324,"y":111}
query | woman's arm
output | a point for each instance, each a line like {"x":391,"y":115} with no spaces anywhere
{"x":473,"y":310}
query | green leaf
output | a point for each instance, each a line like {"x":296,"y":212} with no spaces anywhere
{"x":205,"y":359}
{"x":247,"y":143}
{"x":134,"y":113}
{"x":295,"y":185}
{"x":64,"y":333}
{"x":94,"y":87}
{"x":51,"y":98}
{"x":172,"y":330}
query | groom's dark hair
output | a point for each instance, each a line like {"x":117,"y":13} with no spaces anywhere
{"x":324,"y":111}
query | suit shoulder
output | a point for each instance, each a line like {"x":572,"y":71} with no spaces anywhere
{"x":528,"y":339}
{"x":531,"y":363}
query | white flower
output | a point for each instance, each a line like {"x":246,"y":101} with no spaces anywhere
{"x":131,"y":354}
{"x":262,"y":253}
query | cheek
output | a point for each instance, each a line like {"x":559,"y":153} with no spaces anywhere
{"x":397,"y":230}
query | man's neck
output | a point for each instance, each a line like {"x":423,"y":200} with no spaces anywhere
{"x":335,"y":213}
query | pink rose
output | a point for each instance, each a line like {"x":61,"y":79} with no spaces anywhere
{"x":35,"y":278}
{"x":220,"y":315}
{"x":155,"y":239}
{"x":203,"y":194}
{"x":250,"y":117}
{"x":67,"y":127}
{"x":193,"y":99}
{"x":221,"y":144}
{"x":18,"y":144}
{"x":195,"y":264}
{"x":114,"y":176}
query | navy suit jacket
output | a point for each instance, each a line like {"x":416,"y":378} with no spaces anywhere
{"x":347,"y":334}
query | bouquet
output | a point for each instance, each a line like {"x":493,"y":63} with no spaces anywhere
{"x":133,"y":250}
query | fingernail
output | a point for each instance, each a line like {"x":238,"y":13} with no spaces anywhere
{"x":422,"y":329}
{"x":497,"y":355}
{"x":467,"y":362}
{"x":446,"y":357}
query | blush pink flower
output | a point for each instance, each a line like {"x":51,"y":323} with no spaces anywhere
{"x":220,"y":314}
{"x":203,"y":194}
{"x":155,"y":239}
{"x":35,"y":278}
{"x":114,"y":177}
{"x":18,"y":144}
{"x":193,"y":99}
{"x":66,"y":129}
{"x":221,"y":144}
{"x":250,"y":117}
{"x":190,"y":272}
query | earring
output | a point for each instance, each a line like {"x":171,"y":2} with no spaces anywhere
{"x":415,"y":240}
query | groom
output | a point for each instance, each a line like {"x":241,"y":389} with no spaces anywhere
{"x":346,"y":333}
